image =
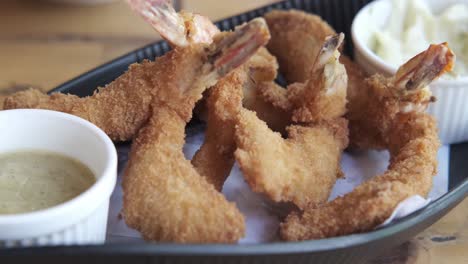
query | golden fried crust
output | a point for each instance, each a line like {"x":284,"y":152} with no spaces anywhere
{"x":262,"y":66}
{"x":311,"y":101}
{"x":275,"y":94}
{"x":356,"y":81}
{"x":33,"y":98}
{"x":382,"y":115}
{"x":215,"y":157}
{"x":179,"y":86}
{"x":165,"y":198}
{"x":276,"y":118}
{"x":322,"y":97}
{"x":372,"y":113}
{"x":414,"y":144}
{"x":263,"y":69}
{"x":373,"y":104}
{"x":120,"y":109}
{"x":296,"y":38}
{"x":301,"y":169}
{"x":362,"y":135}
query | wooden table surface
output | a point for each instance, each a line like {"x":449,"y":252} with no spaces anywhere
{"x":43,"y":45}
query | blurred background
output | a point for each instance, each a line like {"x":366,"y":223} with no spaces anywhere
{"x":45,"y":43}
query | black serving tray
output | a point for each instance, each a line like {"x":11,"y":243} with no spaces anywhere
{"x":346,"y":249}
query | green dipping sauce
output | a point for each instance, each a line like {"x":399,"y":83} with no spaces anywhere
{"x":35,"y":180}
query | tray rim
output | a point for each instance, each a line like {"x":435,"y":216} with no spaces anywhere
{"x":446,"y":201}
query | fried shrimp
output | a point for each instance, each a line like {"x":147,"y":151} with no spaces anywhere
{"x":297,"y":50}
{"x":369,"y":115}
{"x":322,"y":96}
{"x":394,"y":111}
{"x":215,"y":157}
{"x":297,"y":39}
{"x":304,"y":167}
{"x":164,"y":196}
{"x":370,"y":204}
{"x":122,"y":107}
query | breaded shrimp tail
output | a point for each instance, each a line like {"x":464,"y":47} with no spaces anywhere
{"x":372,"y":109}
{"x":164,"y":196}
{"x":296,"y":39}
{"x":323,"y":96}
{"x":395,"y":111}
{"x":179,"y":29}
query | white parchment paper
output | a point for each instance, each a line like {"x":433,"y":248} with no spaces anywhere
{"x":261,"y":218}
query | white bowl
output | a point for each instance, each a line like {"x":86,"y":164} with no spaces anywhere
{"x":450,"y":109}
{"x":81,"y":220}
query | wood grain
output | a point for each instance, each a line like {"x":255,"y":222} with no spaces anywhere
{"x":46,"y":44}
{"x":217,"y":10}
{"x":43,"y":45}
{"x":444,"y":242}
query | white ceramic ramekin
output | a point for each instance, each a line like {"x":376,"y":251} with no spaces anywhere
{"x":450,"y":109}
{"x":81,"y":220}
